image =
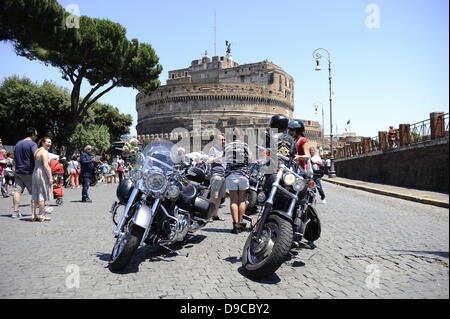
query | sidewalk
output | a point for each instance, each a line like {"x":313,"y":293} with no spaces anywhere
{"x":416,"y":195}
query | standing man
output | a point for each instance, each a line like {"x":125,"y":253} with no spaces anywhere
{"x":87,"y":162}
{"x":327,"y":165}
{"x":24,"y":157}
{"x":218,"y":166}
{"x":317,"y":164}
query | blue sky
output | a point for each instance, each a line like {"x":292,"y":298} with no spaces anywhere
{"x":396,"y":73}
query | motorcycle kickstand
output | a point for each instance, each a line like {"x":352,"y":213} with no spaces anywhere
{"x":175,"y":252}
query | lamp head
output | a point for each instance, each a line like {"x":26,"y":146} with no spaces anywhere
{"x":318,"y":67}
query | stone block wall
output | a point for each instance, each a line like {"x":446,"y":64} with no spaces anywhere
{"x":421,"y":166}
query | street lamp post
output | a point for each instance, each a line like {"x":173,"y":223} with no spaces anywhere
{"x":317,"y":56}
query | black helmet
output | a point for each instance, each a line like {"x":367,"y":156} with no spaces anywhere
{"x":296,"y":125}
{"x":279,"y":121}
{"x":124,"y":190}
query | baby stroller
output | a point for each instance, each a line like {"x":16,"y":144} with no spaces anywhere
{"x":58,"y":175}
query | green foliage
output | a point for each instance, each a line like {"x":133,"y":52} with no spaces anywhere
{"x":110,"y":116}
{"x":47,"y":108}
{"x":23,"y":104}
{"x":98,"y":51}
{"x":95,"y":135}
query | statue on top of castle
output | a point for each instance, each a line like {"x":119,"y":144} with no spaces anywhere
{"x":228,"y":44}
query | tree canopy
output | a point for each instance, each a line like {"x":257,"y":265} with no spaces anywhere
{"x":94,"y":51}
{"x":95,"y":135}
{"x":47,"y":108}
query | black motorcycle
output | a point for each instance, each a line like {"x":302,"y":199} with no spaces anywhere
{"x":162,"y":204}
{"x":255,"y":194}
{"x":288,"y":216}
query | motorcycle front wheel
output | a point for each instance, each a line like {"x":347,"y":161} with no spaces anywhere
{"x":125,"y":248}
{"x":264,"y":258}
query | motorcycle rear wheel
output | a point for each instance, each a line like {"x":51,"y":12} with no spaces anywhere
{"x":125,"y":247}
{"x":262,"y":260}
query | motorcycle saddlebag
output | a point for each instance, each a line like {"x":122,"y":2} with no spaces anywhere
{"x":124,"y":191}
{"x":313,"y":229}
{"x":187,"y":198}
{"x":203,"y":208}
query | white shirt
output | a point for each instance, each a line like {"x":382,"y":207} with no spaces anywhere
{"x":73,"y":166}
{"x":316,"y":158}
{"x":215,"y":152}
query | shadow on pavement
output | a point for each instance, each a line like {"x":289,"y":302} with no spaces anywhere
{"x":154,"y":254}
{"x":270,"y":280}
{"x":233,"y":260}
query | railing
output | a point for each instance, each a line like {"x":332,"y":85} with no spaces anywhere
{"x":375,"y":143}
{"x":436,"y":127}
{"x":421,"y":132}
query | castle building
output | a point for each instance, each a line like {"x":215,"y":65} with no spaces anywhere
{"x":221,"y":94}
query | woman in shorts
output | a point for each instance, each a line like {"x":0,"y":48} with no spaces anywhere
{"x":237,"y":155}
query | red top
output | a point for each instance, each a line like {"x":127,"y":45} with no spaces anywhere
{"x":300,"y":151}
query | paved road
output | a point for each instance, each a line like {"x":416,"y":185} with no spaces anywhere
{"x":372,"y":246}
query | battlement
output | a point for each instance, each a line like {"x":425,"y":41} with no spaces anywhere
{"x":225,"y":70}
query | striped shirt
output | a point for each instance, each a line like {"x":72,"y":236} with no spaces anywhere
{"x":236,"y":157}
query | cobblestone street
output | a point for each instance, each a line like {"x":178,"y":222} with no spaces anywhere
{"x":372,"y":246}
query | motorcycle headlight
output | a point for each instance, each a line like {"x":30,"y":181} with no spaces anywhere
{"x":136,"y":174}
{"x":155,"y":182}
{"x":289,"y":179}
{"x":173,"y":192}
{"x":299,"y":185}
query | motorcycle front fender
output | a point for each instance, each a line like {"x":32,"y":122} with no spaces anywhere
{"x":282,"y":214}
{"x":143,"y":216}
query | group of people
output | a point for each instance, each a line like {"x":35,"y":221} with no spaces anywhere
{"x":6,"y":171}
{"x":229,"y":169}
{"x":109,"y":171}
{"x":230,"y":162}
{"x":28,"y":167}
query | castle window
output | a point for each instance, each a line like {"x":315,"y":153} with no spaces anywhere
{"x":185,"y":74}
{"x":242,"y":78}
{"x":173,"y":76}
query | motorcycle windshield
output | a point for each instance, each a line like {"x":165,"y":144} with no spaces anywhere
{"x":159,"y":154}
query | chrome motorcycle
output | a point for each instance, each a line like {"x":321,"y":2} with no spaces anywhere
{"x":162,"y":204}
{"x":284,"y":221}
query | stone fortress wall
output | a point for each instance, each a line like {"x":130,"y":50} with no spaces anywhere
{"x":221,"y":94}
